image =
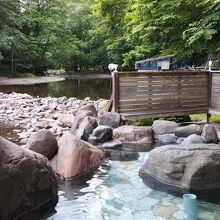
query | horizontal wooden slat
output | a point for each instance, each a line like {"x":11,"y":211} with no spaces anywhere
{"x":169,"y":102}
{"x":153,"y":114}
{"x":162,"y":92}
{"x":141,"y":96}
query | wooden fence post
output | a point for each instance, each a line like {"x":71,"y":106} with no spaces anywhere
{"x":209,"y":94}
{"x":115,"y":91}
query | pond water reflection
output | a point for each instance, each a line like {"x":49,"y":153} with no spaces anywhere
{"x":80,"y":88}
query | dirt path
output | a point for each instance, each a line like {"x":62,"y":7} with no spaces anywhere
{"x":44,"y":79}
{"x":29,"y":81}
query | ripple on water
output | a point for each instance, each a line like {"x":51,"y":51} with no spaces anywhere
{"x":117,"y":192}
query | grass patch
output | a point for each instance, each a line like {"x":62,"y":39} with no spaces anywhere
{"x":178,"y":119}
{"x":202,"y":117}
{"x":150,"y":121}
{"x":142,"y":122}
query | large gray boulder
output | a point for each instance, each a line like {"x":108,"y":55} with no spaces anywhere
{"x":166,"y":139}
{"x":188,"y":130}
{"x":190,"y":168}
{"x":113,"y":144}
{"x":76,"y":157}
{"x":101,"y":134}
{"x":80,"y":115}
{"x":27,"y":181}
{"x":164,"y":127}
{"x":89,"y":107}
{"x":111,"y":119}
{"x":43,"y":142}
{"x":133,"y":134}
{"x":209,"y":134}
{"x":86,"y":127}
{"x":192,"y":139}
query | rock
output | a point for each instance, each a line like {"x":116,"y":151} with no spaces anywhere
{"x":53,"y":162}
{"x":164,"y":127}
{"x":24,"y":135}
{"x":43,"y":142}
{"x":209,"y":134}
{"x":185,"y":169}
{"x":89,"y":107}
{"x":27,"y":181}
{"x":86,"y":127}
{"x":93,"y":140}
{"x":133,"y":134}
{"x":113,"y":144}
{"x":111,"y":119}
{"x":103,"y":133}
{"x":188,"y":130}
{"x":165,"y":139}
{"x":55,"y":116}
{"x":66,"y":120}
{"x":39,"y":125}
{"x":121,"y":155}
{"x":76,"y":157}
{"x":80,"y":115}
{"x":179,"y":140}
{"x":193,"y":139}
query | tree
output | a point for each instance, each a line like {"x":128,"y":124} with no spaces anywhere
{"x":11,"y":38}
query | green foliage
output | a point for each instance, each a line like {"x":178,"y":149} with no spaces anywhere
{"x":202,"y":117}
{"x":142,"y":122}
{"x":178,"y":119}
{"x":85,"y":35}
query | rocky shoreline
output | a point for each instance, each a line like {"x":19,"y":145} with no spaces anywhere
{"x":29,"y":114}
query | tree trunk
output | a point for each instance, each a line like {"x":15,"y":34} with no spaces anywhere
{"x":12,"y":61}
{"x":13,"y":64}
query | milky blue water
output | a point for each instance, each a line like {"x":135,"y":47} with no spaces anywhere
{"x":117,"y":192}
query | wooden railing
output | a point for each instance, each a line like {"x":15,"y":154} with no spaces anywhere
{"x":159,"y":94}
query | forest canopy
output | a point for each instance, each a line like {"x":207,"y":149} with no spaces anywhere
{"x":86,"y":35}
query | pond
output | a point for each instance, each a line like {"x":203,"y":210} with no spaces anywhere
{"x":117,"y":192}
{"x":79,"y":88}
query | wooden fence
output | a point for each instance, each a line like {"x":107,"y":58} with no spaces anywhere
{"x":214,"y":100}
{"x":159,"y":94}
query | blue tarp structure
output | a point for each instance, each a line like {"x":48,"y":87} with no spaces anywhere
{"x":160,"y":63}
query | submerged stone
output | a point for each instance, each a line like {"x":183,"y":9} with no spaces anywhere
{"x":113,"y":144}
